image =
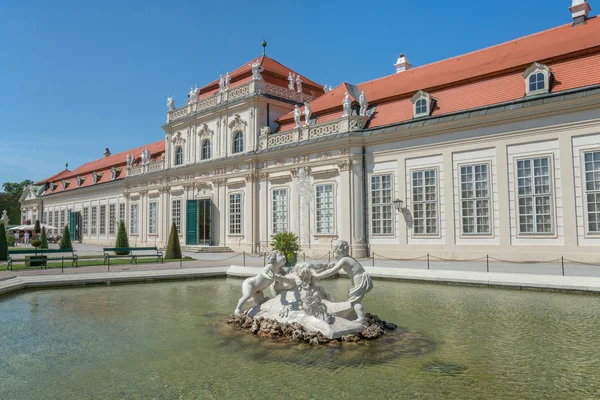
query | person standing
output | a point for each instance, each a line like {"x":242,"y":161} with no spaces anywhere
{"x":16,"y":236}
{"x":26,"y":237}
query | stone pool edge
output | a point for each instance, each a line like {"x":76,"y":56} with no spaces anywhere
{"x":571,"y":284}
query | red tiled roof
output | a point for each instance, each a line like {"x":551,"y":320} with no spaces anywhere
{"x":275,"y":73}
{"x":101,"y":166}
{"x":484,"y":77}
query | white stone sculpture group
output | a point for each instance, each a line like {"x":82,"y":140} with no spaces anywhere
{"x":298,"y":299}
{"x":257,"y":68}
{"x":293,"y":78}
{"x":298,"y":115}
{"x":170,"y":103}
{"x":193,"y":94}
{"x":224,"y":82}
{"x":145,"y":156}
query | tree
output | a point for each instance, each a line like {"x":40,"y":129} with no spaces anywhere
{"x":122,"y":240}
{"x":15,"y":188}
{"x":287,"y":243}
{"x":3,"y":243}
{"x":36,"y":229}
{"x":44,"y":239}
{"x":173,"y":247}
{"x":65,"y":240}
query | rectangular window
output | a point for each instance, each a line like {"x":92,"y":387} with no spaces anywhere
{"x":121,"y":212}
{"x":176,"y":214}
{"x":86,"y":218}
{"x":133,"y":222}
{"x":112,"y":222}
{"x":94,"y":219}
{"x":45,"y":218}
{"x":324,"y":209}
{"x":592,"y":190}
{"x":103,"y":219}
{"x":534,"y":192}
{"x":425,"y":202}
{"x":57,"y":230}
{"x":153,"y":218}
{"x":62,"y":220}
{"x":280,"y":210}
{"x":235,"y":213}
{"x":475,"y":199}
{"x":381,"y":204}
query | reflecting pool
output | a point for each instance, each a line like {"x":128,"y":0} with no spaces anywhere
{"x":166,"y":341}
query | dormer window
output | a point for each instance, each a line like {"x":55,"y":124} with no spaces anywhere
{"x":537,"y":79}
{"x":97,"y":177}
{"x":421,"y":104}
{"x":79,"y":181}
{"x":114,"y":173}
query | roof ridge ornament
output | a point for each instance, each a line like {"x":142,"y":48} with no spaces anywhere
{"x":579,"y":11}
{"x":402,"y":64}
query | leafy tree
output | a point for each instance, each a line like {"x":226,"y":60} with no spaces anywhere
{"x":11,"y":204}
{"x":15,"y":188}
{"x":36,"y":229}
{"x":3,"y":243}
{"x":65,"y":240}
{"x":287,"y":243}
{"x":44,"y":239}
{"x":122,"y":240}
{"x":173,"y":247}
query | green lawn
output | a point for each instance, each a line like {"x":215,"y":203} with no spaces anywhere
{"x":88,"y":261}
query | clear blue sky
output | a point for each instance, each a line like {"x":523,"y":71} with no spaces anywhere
{"x":76,"y":79}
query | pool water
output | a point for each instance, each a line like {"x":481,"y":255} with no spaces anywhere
{"x":168,"y":341}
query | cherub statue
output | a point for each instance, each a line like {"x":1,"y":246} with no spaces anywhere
{"x":346,"y":104}
{"x":253,"y":287}
{"x":298,"y":84}
{"x":221,"y":83}
{"x":361,"y":281}
{"x":362,"y":100}
{"x":257,"y":68}
{"x":297,"y":115}
{"x":291,"y":81}
{"x":170,"y":103}
{"x":307,"y":113}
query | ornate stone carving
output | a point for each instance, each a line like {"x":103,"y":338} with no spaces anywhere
{"x":298,"y":84}
{"x":344,"y":151}
{"x":265,"y":130}
{"x":204,"y":132}
{"x":263,"y":175}
{"x":362,"y":100}
{"x":291,"y":81}
{"x":238,"y":124}
{"x":300,"y":159}
{"x":323,"y":156}
{"x":294,"y":172}
{"x":344,"y":165}
{"x":178,"y":139}
{"x":170,"y":103}
{"x":235,"y":169}
{"x":297,"y":115}
{"x":250,"y":176}
{"x":307,"y":113}
{"x":257,"y":68}
{"x":278,"y":162}
{"x":346,"y":105}
{"x":220,"y":181}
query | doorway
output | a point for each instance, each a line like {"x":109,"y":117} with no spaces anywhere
{"x":198,"y":222}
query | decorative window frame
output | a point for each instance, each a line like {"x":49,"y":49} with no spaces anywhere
{"x":150,"y":204}
{"x":536,"y":68}
{"x":236,"y":125}
{"x":288,"y":189}
{"x":178,"y":142}
{"x":233,"y":138}
{"x":80,"y":180}
{"x":438,"y":234}
{"x":176,"y":150}
{"x":137,"y":216}
{"x":334,"y":195}
{"x":203,"y":143}
{"x":464,"y":235}
{"x":533,"y":235}
{"x":370,"y":202}
{"x":96,"y":176}
{"x":181,"y":202}
{"x":421,"y":95}
{"x":241,"y":193}
{"x":586,"y":227}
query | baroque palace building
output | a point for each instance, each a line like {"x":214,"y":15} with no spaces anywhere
{"x":493,"y":152}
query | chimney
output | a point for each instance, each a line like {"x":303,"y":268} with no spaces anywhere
{"x":579,"y":10}
{"x":106,"y":152}
{"x":402,"y":64}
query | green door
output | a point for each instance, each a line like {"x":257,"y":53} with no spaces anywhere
{"x":72,"y":225}
{"x":191,"y":237}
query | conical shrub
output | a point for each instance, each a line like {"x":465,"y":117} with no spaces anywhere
{"x":44,"y":239}
{"x":36,"y":229}
{"x":122,"y":239}
{"x":65,"y":240}
{"x":173,"y":247}
{"x":3,"y":243}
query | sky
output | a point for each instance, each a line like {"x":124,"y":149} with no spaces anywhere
{"x":76,"y":79}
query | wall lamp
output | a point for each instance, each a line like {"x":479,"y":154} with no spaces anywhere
{"x":398,"y":204}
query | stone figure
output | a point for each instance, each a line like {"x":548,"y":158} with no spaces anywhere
{"x":291,"y":81}
{"x":196,"y":94}
{"x":253,"y":287}
{"x":128,"y":160}
{"x":330,"y":88}
{"x":191,"y":95}
{"x":298,"y":84}
{"x":346,"y":104}
{"x":361,"y":281}
{"x":147,"y":155}
{"x":307,"y":113}
{"x":221,"y":83}
{"x":4,"y":218}
{"x":227,"y":80}
{"x":297,"y":115}
{"x":170,"y":103}
{"x":257,"y":68}
{"x":325,"y":89}
{"x":362,"y":100}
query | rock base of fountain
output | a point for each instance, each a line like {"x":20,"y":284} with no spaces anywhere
{"x":295,"y":332}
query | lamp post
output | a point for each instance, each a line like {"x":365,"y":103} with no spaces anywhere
{"x":398,"y":204}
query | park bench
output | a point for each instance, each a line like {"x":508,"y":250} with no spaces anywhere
{"x":133,"y":253}
{"x":42,"y":256}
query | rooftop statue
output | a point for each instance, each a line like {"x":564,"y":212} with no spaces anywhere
{"x":257,"y":68}
{"x":170,"y":103}
{"x":221,"y":83}
{"x":362,"y":100}
{"x":191,"y":95}
{"x":346,"y":104}
{"x":325,"y":89}
{"x":128,"y":160}
{"x":299,"y":84}
{"x":196,"y":93}
{"x":307,"y":113}
{"x":297,"y":115}
{"x":291,"y":81}
{"x":227,"y":80}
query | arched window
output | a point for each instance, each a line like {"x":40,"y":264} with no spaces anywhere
{"x":238,"y":142}
{"x":178,"y":156}
{"x":537,"y":79}
{"x":421,"y":104}
{"x":206,"y":150}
